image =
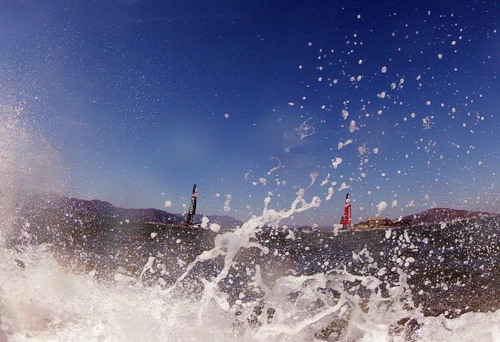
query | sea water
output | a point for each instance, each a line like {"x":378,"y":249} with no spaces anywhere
{"x":41,"y":300}
{"x":233,"y":290}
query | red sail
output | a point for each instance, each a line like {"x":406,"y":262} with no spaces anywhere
{"x":346,"y":218}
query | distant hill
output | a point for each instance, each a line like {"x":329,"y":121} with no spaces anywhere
{"x":106,"y":209}
{"x":441,"y":215}
{"x":427,"y":217}
{"x":71,"y":205}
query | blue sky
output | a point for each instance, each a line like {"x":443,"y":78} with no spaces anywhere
{"x":144,"y":98}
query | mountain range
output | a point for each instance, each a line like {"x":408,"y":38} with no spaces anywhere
{"x":442,"y":215}
{"x":71,"y":205}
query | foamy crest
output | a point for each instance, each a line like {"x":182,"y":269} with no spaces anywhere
{"x":42,"y":302}
{"x":230,"y":243}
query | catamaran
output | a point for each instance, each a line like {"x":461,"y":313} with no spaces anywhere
{"x":192,"y":207}
{"x":345,"y":221}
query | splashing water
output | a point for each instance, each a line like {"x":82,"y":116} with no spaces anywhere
{"x":27,"y":164}
{"x":76,"y":307}
{"x":42,"y":299}
{"x":306,"y":128}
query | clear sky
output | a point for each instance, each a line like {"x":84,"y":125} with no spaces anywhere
{"x":397,"y":101}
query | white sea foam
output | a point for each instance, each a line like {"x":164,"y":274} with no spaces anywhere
{"x":345,"y":114}
{"x":215,"y":227}
{"x":306,"y":128}
{"x":381,"y":206}
{"x":336,"y":162}
{"x":41,"y":301}
{"x":314,"y":176}
{"x":330,"y":193}
{"x":352,"y":126}
{"x":227,"y":202}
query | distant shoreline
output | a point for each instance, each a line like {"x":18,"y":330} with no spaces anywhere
{"x":157,"y":216}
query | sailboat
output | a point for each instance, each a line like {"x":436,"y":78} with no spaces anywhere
{"x":345,"y":221}
{"x":192,"y":207}
{"x":346,"y":218}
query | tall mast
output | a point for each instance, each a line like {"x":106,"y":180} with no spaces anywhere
{"x":192,"y":207}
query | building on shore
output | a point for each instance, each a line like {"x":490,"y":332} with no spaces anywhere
{"x":379,"y":222}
